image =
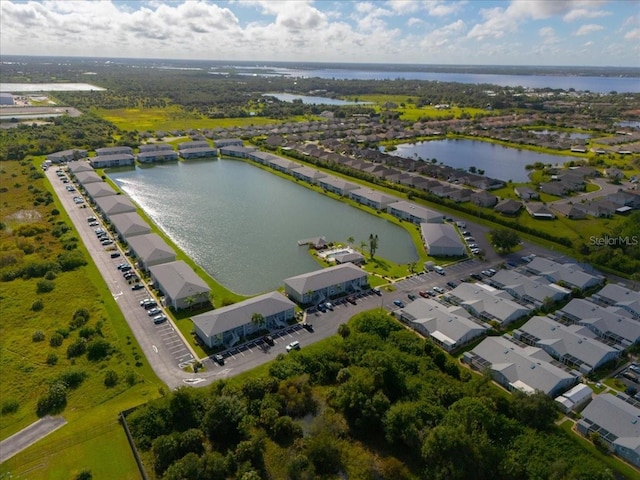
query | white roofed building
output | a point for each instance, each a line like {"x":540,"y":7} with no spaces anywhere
{"x":442,"y":240}
{"x":229,"y":325}
{"x":319,"y":285}
{"x":619,"y":296}
{"x":487,"y":303}
{"x":150,"y":249}
{"x":569,"y":274}
{"x":181,"y":286}
{"x":517,"y":366}
{"x":414,"y":213}
{"x":449,"y":327}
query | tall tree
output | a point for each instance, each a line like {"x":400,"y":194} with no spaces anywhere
{"x":504,"y":239}
{"x":373,"y":244}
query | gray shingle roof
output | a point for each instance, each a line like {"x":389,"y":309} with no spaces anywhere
{"x":151,"y":248}
{"x":130,"y":224}
{"x":324,"y":278}
{"x":115,"y":204}
{"x":226,"y":318}
{"x":496,"y":303}
{"x":178,"y":280}
{"x":616,"y":416}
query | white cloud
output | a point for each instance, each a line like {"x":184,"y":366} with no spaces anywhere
{"x":581,"y":13}
{"x":414,"y":21}
{"x":548,"y":35}
{"x":588,"y":29}
{"x":437,"y":8}
{"x":403,"y":7}
{"x":633,"y":35}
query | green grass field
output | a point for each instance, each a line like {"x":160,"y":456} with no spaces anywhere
{"x":92,"y":408}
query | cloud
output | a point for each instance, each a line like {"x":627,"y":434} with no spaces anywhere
{"x":633,"y":35}
{"x":588,"y":29}
{"x":414,"y":21}
{"x":582,"y":13}
{"x":548,"y":35}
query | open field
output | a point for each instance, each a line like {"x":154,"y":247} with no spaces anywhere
{"x":30,"y":365}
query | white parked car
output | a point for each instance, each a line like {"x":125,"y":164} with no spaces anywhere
{"x":293,"y":346}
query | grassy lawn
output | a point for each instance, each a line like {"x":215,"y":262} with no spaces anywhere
{"x":27,"y":366}
{"x":173,"y":118}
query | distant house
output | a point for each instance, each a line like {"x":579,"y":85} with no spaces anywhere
{"x":372,"y":198}
{"x":114,"y":151}
{"x":228,"y":325}
{"x":197,"y":152}
{"x":449,"y":327}
{"x":572,"y":345}
{"x":235,"y":151}
{"x":181,"y":286}
{"x":112,"y":160}
{"x":228,"y":142}
{"x":519,"y":367}
{"x":350,"y":257}
{"x":487,"y":303}
{"x":79,"y":166}
{"x":162,"y":153}
{"x":337,"y":185}
{"x":599,"y":208}
{"x":442,"y":240}
{"x":615,"y":419}
{"x":508,"y":207}
{"x":308,"y":174}
{"x":558,"y":189}
{"x":539,"y":210}
{"x":575,"y":398}
{"x":414,"y":213}
{"x":573,"y":212}
{"x":526,"y":193}
{"x":193,"y":144}
{"x":528,"y":288}
{"x":321,"y":285}
{"x":569,"y":274}
{"x":6,"y":99}
{"x":614,"y":173}
{"x":483,"y":199}
{"x":67,"y":155}
{"x":619,"y":296}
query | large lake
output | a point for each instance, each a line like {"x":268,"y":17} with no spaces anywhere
{"x":242,"y":223}
{"x":497,"y":161}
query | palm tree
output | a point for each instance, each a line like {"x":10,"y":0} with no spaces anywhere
{"x":257,"y":319}
{"x":350,"y":240}
{"x":373,"y":244}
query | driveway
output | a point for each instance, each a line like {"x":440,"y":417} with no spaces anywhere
{"x":28,"y":436}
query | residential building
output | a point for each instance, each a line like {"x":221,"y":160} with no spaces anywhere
{"x":572,"y":345}
{"x":449,"y":327}
{"x":228,"y":142}
{"x":152,"y":156}
{"x":616,"y":295}
{"x":337,"y":185}
{"x":539,"y":210}
{"x":283,"y":165}
{"x":114,"y":150}
{"x":320,"y":285}
{"x":99,"y":189}
{"x":487,"y":303}
{"x":129,"y":225}
{"x":613,"y":324}
{"x":414,"y":213}
{"x":567,"y":274}
{"x":198,"y":152}
{"x":114,"y":205}
{"x":571,"y":211}
{"x":193,"y":144}
{"x":181,"y":286}
{"x":112,"y":160}
{"x":67,"y":155}
{"x":483,"y":199}
{"x":308,"y":174}
{"x":150,"y":249}
{"x":351,"y":257}
{"x":228,"y":325}
{"x":78,"y":166}
{"x":517,"y":366}
{"x":508,"y":207}
{"x":442,"y":240}
{"x":372,"y":198}
{"x":235,"y":150}
{"x":530,"y":289}
{"x":87,"y":176}
{"x":574,"y":398}
{"x":6,"y":98}
{"x":154,"y":147}
{"x":526,"y":193}
{"x":615,"y":418}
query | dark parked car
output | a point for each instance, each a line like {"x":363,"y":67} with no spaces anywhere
{"x":219,"y":359}
{"x":411,"y":296}
{"x":307,"y":326}
{"x":150,"y":304}
{"x":352,"y":300}
{"x":477,"y":276}
{"x":398,"y":303}
{"x":268,"y":339}
{"x":137,"y":286}
{"x":115,"y":254}
{"x":452,"y":284}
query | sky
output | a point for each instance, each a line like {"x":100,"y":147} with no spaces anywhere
{"x":469,"y":32}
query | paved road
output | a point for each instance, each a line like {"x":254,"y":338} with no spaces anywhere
{"x":28,"y":436}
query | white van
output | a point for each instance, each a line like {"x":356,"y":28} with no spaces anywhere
{"x":439,"y":269}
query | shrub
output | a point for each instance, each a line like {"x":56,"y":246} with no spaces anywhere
{"x":72,"y":378}
{"x":86,"y":332}
{"x":110,"y":379}
{"x":55,"y":211}
{"x":50,"y":275}
{"x":77,"y":348}
{"x":71,"y":260}
{"x":98,"y":349}
{"x":38,"y":336}
{"x":52,"y":359}
{"x":45,"y":286}
{"x":54,"y":401}
{"x":56,"y":340}
{"x":37,"y":305}
{"x":10,"y":406}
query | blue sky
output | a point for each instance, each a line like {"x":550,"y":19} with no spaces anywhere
{"x":516,"y":32}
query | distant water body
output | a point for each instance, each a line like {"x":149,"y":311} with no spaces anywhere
{"x":565,"y":82}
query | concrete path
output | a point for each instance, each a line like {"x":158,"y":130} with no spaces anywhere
{"x":28,"y":436}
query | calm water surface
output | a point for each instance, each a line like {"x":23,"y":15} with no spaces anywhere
{"x":242,"y":224}
{"x":497,"y":161}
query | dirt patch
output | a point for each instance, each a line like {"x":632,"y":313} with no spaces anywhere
{"x":25,"y":216}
